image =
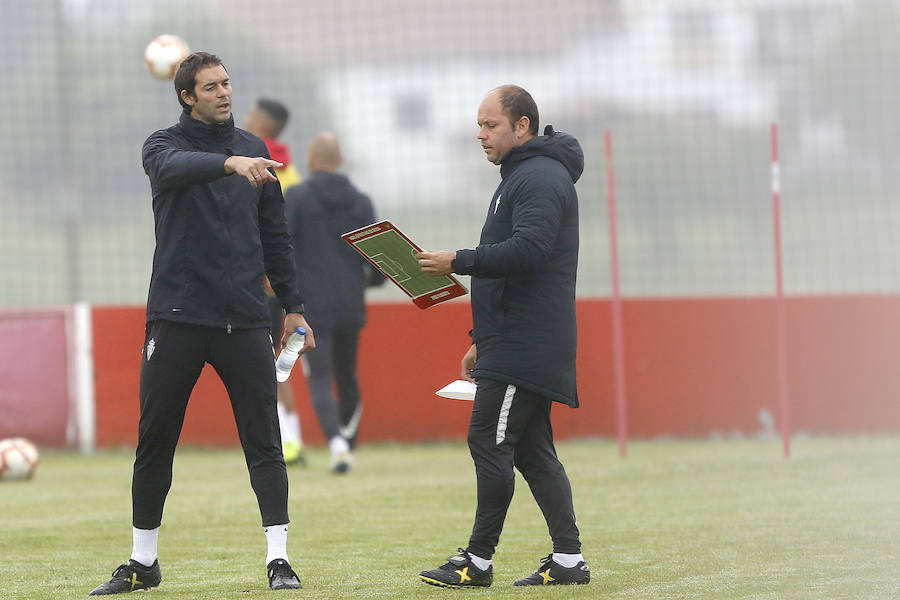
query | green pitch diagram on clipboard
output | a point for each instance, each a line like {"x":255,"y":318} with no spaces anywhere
{"x":393,"y":254}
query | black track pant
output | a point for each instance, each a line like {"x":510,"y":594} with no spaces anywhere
{"x":333,"y":365}
{"x":174,"y":355}
{"x":511,"y":427}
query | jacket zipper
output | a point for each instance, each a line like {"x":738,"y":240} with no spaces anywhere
{"x":226,"y":216}
{"x":225,"y":221}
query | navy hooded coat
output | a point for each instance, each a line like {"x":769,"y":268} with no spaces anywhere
{"x":524,"y":269}
{"x":216,"y":236}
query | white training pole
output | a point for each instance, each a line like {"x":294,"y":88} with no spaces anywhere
{"x":780,"y":308}
{"x":83,"y":360}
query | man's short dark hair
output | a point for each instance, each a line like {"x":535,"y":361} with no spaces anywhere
{"x":186,"y":75}
{"x":518,"y":103}
{"x":277,"y":111}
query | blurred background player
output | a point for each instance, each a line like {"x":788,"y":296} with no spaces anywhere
{"x":267,"y":118}
{"x":318,"y":211}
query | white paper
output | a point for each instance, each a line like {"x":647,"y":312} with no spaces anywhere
{"x":458,"y":390}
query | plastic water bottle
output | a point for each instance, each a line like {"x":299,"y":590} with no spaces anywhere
{"x":288,"y":356}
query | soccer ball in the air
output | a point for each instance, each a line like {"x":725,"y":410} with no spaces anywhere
{"x":18,"y":459}
{"x":164,"y":54}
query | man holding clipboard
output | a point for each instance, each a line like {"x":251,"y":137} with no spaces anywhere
{"x":524,"y":336}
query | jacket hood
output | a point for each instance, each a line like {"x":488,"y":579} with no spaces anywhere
{"x":557,"y":145}
{"x":333,"y":189}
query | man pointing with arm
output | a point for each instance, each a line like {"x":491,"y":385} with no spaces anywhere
{"x":220,"y":227}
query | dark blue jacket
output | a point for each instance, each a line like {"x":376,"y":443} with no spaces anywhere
{"x":523,"y":270}
{"x":333,"y":274}
{"x":215,"y":234}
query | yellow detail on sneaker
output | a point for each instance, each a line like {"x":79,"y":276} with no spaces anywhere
{"x":464,"y":575}
{"x":546,"y":576}
{"x":291,"y":451}
{"x":433,"y":581}
{"x":135,"y":582}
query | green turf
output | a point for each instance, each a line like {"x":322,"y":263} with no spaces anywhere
{"x":676,"y":519}
{"x":394,"y":255}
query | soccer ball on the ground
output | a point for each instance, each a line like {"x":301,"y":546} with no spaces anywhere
{"x":164,"y":54}
{"x":18,"y":459}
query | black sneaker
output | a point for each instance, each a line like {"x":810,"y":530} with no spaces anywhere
{"x":282,"y":576}
{"x":129,"y":577}
{"x":551,"y":573}
{"x":459,"y":572}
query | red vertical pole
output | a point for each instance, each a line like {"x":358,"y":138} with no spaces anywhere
{"x":780,"y":310}
{"x":618,"y":335}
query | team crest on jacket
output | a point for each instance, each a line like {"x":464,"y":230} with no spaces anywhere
{"x":151,"y":346}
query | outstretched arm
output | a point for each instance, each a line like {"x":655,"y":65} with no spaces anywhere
{"x":255,"y":170}
{"x":171,"y":166}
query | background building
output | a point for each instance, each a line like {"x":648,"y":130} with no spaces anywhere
{"x":687,"y":87}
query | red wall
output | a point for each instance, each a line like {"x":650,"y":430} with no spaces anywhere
{"x":693,"y":366}
{"x":34,"y":377}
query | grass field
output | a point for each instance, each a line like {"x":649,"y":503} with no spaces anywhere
{"x":676,"y":519}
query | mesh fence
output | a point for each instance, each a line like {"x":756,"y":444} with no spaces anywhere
{"x":688,"y":89}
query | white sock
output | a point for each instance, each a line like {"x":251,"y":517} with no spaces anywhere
{"x":143,"y":549}
{"x":338,"y":445}
{"x":567,"y":560}
{"x":293,"y":427}
{"x":482,"y":563}
{"x":283,"y":423}
{"x":276,"y":542}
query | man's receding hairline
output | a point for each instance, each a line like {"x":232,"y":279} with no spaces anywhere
{"x":505,"y":90}
{"x":506,"y":105}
